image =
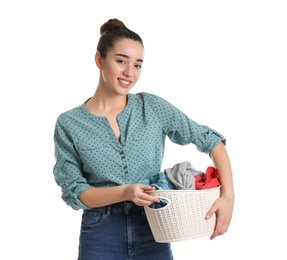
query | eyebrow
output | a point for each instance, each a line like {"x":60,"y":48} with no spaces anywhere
{"x":127,"y":57}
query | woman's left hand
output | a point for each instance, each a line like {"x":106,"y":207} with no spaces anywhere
{"x":223,"y":208}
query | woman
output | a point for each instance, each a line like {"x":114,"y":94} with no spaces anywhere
{"x":109,"y":144}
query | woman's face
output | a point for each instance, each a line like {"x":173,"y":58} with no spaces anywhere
{"x":121,"y":68}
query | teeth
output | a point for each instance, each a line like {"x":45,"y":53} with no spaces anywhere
{"x":125,"y":82}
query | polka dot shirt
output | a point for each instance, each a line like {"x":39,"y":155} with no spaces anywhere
{"x":89,"y":154}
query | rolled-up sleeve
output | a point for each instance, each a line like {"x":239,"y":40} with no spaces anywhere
{"x":182,"y":130}
{"x":67,"y":170}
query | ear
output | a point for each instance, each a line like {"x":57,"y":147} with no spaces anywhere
{"x":98,"y":60}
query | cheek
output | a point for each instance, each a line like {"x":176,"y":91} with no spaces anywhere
{"x":108,"y":74}
{"x":137,"y":74}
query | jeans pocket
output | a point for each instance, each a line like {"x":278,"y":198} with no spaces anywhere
{"x":91,"y":219}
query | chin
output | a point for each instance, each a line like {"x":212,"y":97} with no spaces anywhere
{"x":124,"y":91}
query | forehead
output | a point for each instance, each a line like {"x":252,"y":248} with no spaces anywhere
{"x":128,"y":47}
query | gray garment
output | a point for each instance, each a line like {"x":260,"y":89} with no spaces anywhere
{"x":182,"y":175}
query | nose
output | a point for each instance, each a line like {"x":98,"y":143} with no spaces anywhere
{"x":128,"y":72}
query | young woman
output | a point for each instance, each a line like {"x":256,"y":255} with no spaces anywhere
{"x":109,"y":144}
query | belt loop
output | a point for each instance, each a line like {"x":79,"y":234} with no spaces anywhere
{"x":109,"y":209}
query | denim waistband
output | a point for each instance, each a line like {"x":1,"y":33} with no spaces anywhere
{"x":127,"y":207}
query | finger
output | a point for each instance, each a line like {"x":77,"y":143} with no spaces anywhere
{"x":210,"y":212}
{"x":145,"y":199}
{"x":141,"y":202}
{"x":150,"y":198}
{"x":147,"y":188}
{"x":220,"y":228}
{"x":216,"y":232}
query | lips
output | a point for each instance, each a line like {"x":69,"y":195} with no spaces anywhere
{"x":124,"y":82}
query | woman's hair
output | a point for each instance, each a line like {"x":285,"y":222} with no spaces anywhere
{"x":112,"y":31}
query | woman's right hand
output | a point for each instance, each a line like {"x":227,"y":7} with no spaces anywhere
{"x":137,"y":194}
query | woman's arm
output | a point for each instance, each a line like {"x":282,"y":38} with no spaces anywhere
{"x":99,"y":197}
{"x":223,"y":207}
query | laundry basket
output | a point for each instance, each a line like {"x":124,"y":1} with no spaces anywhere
{"x":183,"y":217}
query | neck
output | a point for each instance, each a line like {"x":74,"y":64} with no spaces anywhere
{"x":103,"y":103}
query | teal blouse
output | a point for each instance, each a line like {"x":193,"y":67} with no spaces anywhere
{"x":89,"y":154}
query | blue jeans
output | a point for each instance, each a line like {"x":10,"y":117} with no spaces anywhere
{"x":119,"y":232}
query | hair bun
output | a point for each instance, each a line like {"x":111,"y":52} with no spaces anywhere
{"x":110,"y":25}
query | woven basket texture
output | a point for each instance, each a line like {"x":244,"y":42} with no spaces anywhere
{"x":183,"y":217}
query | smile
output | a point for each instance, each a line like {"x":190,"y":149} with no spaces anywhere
{"x":124,"y":83}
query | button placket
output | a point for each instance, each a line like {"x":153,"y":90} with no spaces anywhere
{"x":123,"y":156}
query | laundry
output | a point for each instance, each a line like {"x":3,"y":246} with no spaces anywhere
{"x":160,"y":182}
{"x":207,"y":181}
{"x":182,"y":176}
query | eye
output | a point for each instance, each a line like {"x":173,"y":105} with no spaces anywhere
{"x":138,"y":66}
{"x":121,"y":61}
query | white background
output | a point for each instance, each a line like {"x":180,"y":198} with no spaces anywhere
{"x":223,"y":63}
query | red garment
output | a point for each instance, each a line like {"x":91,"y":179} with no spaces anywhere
{"x":208,"y":180}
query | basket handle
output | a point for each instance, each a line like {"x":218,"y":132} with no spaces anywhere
{"x":166,"y":201}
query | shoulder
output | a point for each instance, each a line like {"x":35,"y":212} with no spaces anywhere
{"x":71,"y":114}
{"x":154,"y":104}
{"x":146,"y":95}
{"x":150,"y":98}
